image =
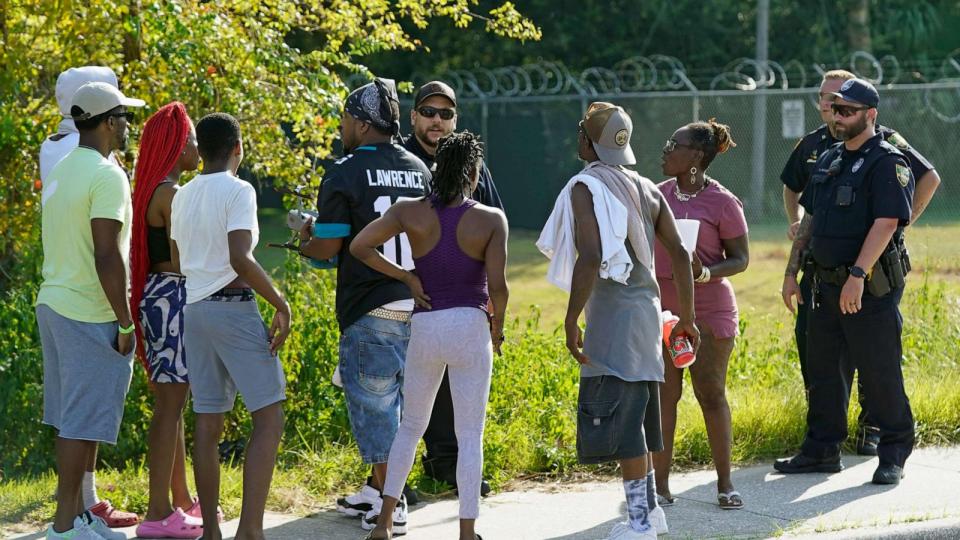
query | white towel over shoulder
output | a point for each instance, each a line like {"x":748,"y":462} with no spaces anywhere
{"x":557,"y":238}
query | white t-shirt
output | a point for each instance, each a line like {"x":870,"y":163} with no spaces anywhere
{"x":204,"y":211}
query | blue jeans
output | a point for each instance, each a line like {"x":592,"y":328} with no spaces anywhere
{"x":372,"y":356}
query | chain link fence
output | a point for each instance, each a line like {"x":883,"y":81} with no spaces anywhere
{"x":528,"y":117}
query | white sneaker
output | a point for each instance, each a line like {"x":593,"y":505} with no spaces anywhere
{"x":80,"y":531}
{"x":99,"y":526}
{"x":369,"y":521}
{"x":658,"y":518}
{"x":360,"y":503}
{"x":623,"y":531}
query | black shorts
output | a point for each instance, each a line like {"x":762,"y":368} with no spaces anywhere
{"x":617,"y":419}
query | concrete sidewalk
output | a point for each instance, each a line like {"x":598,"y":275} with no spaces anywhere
{"x":843,"y":505}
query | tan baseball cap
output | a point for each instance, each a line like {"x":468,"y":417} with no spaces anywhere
{"x":609,"y":127}
{"x":70,"y":80}
{"x":96,"y":98}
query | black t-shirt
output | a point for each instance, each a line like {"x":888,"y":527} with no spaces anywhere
{"x":356,"y":190}
{"x":848,"y":191}
{"x":486,"y":192}
{"x":800,"y":166}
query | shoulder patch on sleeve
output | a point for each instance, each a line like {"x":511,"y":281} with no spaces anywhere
{"x":897,"y":140}
{"x":903,"y":174}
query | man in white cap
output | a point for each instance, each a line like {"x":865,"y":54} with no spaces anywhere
{"x":82,"y":307}
{"x":58,"y":145}
{"x":606,"y":217}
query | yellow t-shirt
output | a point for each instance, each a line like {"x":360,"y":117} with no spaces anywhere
{"x":83,"y":186}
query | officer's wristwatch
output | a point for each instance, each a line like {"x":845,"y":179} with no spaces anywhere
{"x":857,"y":272}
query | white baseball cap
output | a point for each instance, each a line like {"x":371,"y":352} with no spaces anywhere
{"x":609,"y":127}
{"x":97,"y":98}
{"x":70,"y":80}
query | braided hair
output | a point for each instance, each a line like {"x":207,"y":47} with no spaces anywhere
{"x":164,"y":138}
{"x":712,"y":138}
{"x":458,"y":154}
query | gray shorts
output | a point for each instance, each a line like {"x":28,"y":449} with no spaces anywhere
{"x":229,"y":350}
{"x":617,"y":419}
{"x":85,"y":379}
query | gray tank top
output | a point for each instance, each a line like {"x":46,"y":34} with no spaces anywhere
{"x":623,"y":335}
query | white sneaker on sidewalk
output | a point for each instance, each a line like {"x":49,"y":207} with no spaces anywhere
{"x":623,"y":531}
{"x":360,"y":503}
{"x":80,"y":531}
{"x":369,"y":521}
{"x":658,"y":518}
{"x":99,"y":526}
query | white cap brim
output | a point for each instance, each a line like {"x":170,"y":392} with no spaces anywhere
{"x":132,"y":102}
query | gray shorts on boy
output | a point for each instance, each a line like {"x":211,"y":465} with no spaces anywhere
{"x":228,"y":350}
{"x":617,"y":419}
{"x":85,"y":379}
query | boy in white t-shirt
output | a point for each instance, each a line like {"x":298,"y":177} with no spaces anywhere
{"x":214,"y":229}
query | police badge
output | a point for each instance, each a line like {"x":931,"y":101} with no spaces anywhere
{"x":897,"y":140}
{"x":857,"y":165}
{"x":903,"y":174}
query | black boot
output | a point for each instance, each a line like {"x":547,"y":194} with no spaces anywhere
{"x":801,"y":463}
{"x":888,"y":474}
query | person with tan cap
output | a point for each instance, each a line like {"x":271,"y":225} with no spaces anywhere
{"x":606,"y":218}
{"x":82,"y":308}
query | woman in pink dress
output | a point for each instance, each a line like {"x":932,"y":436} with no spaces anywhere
{"x":721,"y":251}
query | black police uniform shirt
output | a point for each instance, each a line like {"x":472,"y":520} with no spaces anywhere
{"x":799,"y":168}
{"x":486,"y":192}
{"x":849,"y":190}
{"x":356,"y":190}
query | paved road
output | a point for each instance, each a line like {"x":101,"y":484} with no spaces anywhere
{"x":843,"y":505}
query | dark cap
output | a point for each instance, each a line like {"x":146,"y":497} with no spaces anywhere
{"x":859,"y":91}
{"x":435,"y":88}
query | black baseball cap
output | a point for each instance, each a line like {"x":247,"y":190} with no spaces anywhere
{"x":859,"y":91}
{"x":435,"y":88}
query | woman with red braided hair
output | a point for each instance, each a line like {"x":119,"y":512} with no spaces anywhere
{"x":168,"y":148}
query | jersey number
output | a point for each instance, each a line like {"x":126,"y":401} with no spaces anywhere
{"x":397,"y":249}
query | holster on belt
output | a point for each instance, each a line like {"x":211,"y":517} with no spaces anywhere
{"x":877,"y":282}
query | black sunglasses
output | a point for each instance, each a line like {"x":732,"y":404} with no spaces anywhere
{"x":672,"y":145}
{"x":846,"y":111}
{"x":429,"y":112}
{"x":127,"y":114}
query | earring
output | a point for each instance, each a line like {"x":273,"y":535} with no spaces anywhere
{"x":693,"y":175}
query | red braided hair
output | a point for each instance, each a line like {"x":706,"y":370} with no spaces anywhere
{"x":161,"y":144}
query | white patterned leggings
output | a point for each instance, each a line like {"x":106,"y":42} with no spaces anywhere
{"x":457,"y":339}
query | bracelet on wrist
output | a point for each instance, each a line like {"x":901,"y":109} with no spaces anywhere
{"x":126,"y":330}
{"x":704,"y":275}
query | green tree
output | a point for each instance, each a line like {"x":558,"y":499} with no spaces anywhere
{"x":231,"y":56}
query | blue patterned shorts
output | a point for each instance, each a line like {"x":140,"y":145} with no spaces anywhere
{"x":161,"y":316}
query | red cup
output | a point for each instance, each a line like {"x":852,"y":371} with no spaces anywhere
{"x":681,"y":349}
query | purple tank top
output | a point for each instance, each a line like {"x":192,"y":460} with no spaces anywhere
{"x":450,"y":277}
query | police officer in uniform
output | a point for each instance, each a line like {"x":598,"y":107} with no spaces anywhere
{"x":857,"y":203}
{"x":796,"y":176}
{"x":434,"y":115}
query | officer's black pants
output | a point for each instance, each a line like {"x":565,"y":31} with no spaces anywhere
{"x":868,"y":341}
{"x":800,"y":332}
{"x":441,"y":438}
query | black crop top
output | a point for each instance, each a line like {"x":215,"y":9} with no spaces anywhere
{"x":158,"y":246}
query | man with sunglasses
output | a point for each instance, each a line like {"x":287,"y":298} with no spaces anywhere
{"x":434,"y":115}
{"x":795,"y":177}
{"x":82,"y":308}
{"x":857,"y":203}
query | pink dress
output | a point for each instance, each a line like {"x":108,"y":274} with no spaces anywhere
{"x":721,"y":218}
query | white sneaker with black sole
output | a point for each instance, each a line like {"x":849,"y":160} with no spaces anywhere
{"x":369,"y":521}
{"x":360,"y":503}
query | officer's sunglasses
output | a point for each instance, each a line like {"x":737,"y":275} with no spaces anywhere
{"x":672,"y":145}
{"x":846,"y":111}
{"x":429,"y":112}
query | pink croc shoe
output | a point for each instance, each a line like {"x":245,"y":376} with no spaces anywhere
{"x":176,"y":525}
{"x":194,"y":511}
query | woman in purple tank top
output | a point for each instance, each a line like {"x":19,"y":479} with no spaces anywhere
{"x":460,"y":288}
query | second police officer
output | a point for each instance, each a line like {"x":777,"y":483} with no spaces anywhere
{"x":858,"y":201}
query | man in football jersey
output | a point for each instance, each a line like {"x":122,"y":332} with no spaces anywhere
{"x":795,"y":176}
{"x":434,"y":115}
{"x":373,"y":310}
